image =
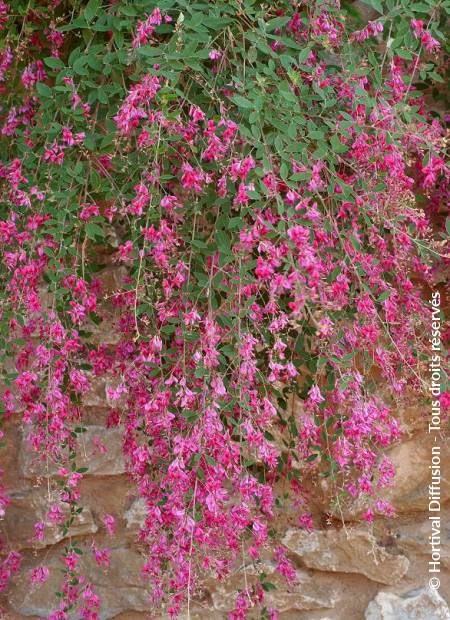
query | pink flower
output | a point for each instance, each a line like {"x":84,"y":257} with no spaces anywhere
{"x":33,"y":73}
{"x":368,"y":515}
{"x":299,"y":235}
{"x":429,"y":43}
{"x":192,"y":178}
{"x":196,"y":114}
{"x":125,"y":251}
{"x":79,"y":381}
{"x":315,"y":396}
{"x":445,"y":401}
{"x":71,"y":560}
{"x":214,"y":54}
{"x":4,"y":14}
{"x":39,"y":575}
{"x":305,"y":521}
{"x":102,"y":556}
{"x":372,"y":29}
{"x":285,"y":566}
{"x":54,"y":154}
{"x":146,"y":28}
{"x":92,"y":600}
{"x":55,"y":514}
{"x":417,"y":26}
{"x":89,"y":211}
{"x":110,"y":524}
{"x":385,"y":508}
{"x":39,"y":531}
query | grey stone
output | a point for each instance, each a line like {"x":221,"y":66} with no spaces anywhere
{"x":304,"y":594}
{"x":352,"y":551}
{"x":421,"y":604}
{"x":120,"y":587}
{"x":136,"y":514}
{"x":107,"y":461}
{"x":28,"y":507}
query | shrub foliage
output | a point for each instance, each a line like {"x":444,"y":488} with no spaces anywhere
{"x":265,"y":186}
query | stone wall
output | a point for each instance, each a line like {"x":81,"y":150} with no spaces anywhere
{"x":352,"y":572}
{"x":343,"y":573}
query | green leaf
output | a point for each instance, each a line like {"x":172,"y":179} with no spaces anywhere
{"x":54,"y":63}
{"x":355,"y":243}
{"x":420,"y":7}
{"x":343,"y":383}
{"x":277,"y":22}
{"x":376,"y":4}
{"x":223,"y":242}
{"x":242,"y":102}
{"x":337,"y":145}
{"x":94,"y":230}
{"x":91,"y":9}
{"x":303,"y":55}
{"x":43,"y":89}
{"x":384,"y":295}
{"x":334,"y":274}
{"x":102,"y":96}
{"x":404,"y":54}
{"x":149,"y":50}
{"x":129,"y":10}
{"x":191,"y":416}
{"x":79,"y":66}
{"x":267,"y":586}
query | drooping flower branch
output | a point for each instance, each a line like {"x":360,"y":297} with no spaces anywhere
{"x":267,"y":184}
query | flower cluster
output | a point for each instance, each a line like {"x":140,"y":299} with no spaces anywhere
{"x":258,"y":210}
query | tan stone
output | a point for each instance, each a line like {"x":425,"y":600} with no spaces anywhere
{"x":28,"y":507}
{"x":96,"y":396}
{"x":421,"y":604}
{"x":351,"y":551}
{"x":412,"y":461}
{"x":105,"y":332}
{"x":409,"y":491}
{"x":136,"y":514}
{"x":196,"y":613}
{"x":107,"y":462}
{"x":413,"y":538}
{"x":367,"y":12}
{"x":120,"y":587}
{"x":303,"y":594}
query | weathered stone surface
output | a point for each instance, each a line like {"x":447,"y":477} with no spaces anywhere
{"x":106,"y":460}
{"x":99,"y":394}
{"x":28,"y":507}
{"x":421,"y":604}
{"x":282,"y":601}
{"x":135,"y":515}
{"x":106,"y":332}
{"x":367,"y":12}
{"x":409,"y":491}
{"x":341,"y":576}
{"x":100,"y":450}
{"x":120,"y":587}
{"x":413,"y":538}
{"x":304,"y":594}
{"x":96,"y":396}
{"x":412,"y":463}
{"x":196,"y":613}
{"x":352,"y":552}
